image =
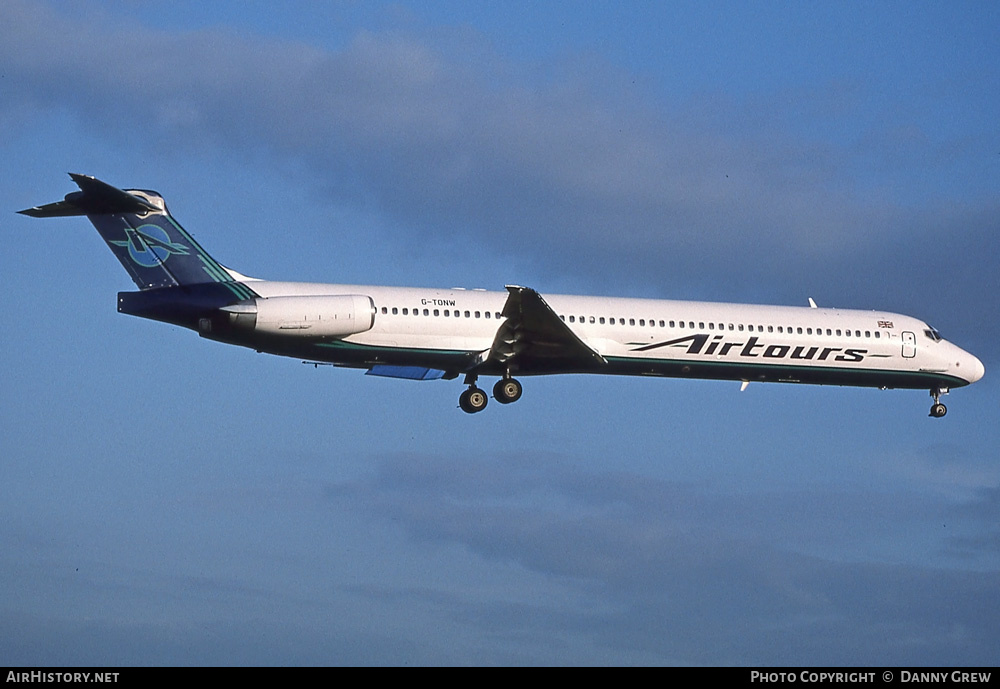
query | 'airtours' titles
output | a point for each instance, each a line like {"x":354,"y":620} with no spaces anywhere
{"x":752,"y":348}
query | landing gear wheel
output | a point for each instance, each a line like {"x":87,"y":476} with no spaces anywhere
{"x":507,"y":390}
{"x":473,"y":400}
{"x":937,"y":409}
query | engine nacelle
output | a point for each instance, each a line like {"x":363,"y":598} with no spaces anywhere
{"x":307,"y":316}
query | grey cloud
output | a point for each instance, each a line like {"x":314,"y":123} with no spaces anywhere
{"x":983,"y":508}
{"x":575,"y":170}
{"x":571,"y":171}
{"x":678,"y":574}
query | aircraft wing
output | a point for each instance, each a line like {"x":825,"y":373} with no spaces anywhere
{"x":534,"y":337}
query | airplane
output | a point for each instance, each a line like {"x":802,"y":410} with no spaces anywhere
{"x":428,"y":334}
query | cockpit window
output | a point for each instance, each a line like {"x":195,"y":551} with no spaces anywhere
{"x":933,"y":334}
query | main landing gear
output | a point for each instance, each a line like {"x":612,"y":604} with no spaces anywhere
{"x":507,"y":390}
{"x":474,"y":400}
{"x":937,"y":409}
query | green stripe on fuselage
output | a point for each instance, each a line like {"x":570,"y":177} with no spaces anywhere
{"x":775,"y":372}
{"x":341,"y":344}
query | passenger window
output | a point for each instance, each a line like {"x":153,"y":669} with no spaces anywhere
{"x":467,"y":314}
{"x":631,"y":321}
{"x":477,"y":314}
{"x":406,"y":311}
{"x":394,"y":310}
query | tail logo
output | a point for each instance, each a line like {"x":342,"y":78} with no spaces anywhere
{"x":149,"y":245}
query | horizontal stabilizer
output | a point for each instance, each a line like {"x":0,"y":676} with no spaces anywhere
{"x":408,"y":372}
{"x":94,"y":198}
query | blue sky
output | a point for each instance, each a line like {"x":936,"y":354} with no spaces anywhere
{"x":169,"y":500}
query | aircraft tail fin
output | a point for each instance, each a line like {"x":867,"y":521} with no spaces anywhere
{"x":152,"y":246}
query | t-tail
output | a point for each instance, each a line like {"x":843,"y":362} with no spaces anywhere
{"x":178,"y":281}
{"x":137,"y":227}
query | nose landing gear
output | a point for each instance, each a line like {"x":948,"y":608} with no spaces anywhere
{"x":937,"y":409}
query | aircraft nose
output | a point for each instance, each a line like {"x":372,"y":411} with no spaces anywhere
{"x":973,"y":368}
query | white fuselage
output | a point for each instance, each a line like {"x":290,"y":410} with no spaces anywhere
{"x":658,"y":337}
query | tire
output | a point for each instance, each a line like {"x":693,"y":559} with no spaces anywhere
{"x":473,"y":400}
{"x":507,"y":390}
